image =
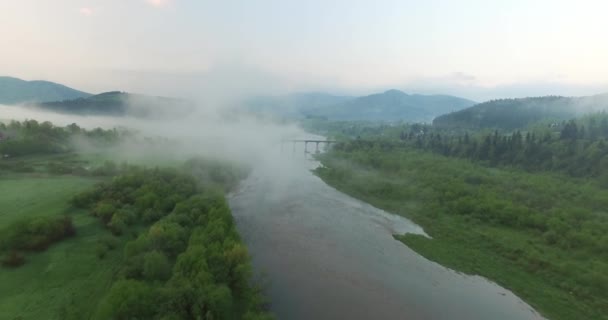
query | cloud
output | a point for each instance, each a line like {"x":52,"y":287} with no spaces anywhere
{"x":462,"y":77}
{"x":85,"y":11}
{"x":158,"y":3}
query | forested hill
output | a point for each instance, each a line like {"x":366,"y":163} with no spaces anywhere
{"x":392,"y":105}
{"x":13,"y":91}
{"x":117,"y":103}
{"x":519,"y":113}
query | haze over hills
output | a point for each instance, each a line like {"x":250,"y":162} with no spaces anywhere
{"x":291,"y":106}
{"x":14,"y":91}
{"x":116,"y":103}
{"x":519,"y":113}
{"x":392,"y":105}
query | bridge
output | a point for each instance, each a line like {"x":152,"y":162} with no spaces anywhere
{"x":306,"y":142}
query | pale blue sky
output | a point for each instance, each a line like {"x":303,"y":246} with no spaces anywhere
{"x":535,"y":46}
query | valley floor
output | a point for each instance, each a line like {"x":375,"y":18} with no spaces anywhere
{"x":489,"y":222}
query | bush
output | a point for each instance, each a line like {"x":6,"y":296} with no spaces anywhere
{"x":117,"y":225}
{"x":13,"y":260}
{"x":87,"y":198}
{"x":126,"y":214}
{"x":156,"y":266}
{"x":152,"y":215}
{"x":104,"y":210}
{"x":111,"y":242}
{"x":36,"y":234}
{"x":22,"y":167}
{"x":130,"y":299}
{"x":59,"y":168}
{"x":101,"y":250}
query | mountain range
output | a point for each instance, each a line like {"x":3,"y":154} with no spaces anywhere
{"x":290,"y":106}
{"x":15,"y":91}
{"x":392,"y":105}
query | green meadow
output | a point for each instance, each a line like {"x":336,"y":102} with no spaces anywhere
{"x":58,"y":283}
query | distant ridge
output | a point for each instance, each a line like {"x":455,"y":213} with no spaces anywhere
{"x":519,"y":113}
{"x":296,"y":105}
{"x":117,"y":103}
{"x":15,"y":91}
{"x":393,"y":105}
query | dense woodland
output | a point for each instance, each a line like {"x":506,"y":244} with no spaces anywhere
{"x":576,"y":147}
{"x":31,"y":137}
{"x":187,"y":261}
{"x":182,"y":255}
{"x":526,"y":209}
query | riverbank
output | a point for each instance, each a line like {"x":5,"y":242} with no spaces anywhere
{"x":327,"y":255}
{"x":449,"y":198}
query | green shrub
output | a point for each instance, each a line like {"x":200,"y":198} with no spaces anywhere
{"x":13,"y":259}
{"x":156,"y":266}
{"x":101,"y":250}
{"x":104,"y":210}
{"x":36,"y":234}
{"x":130,"y":299}
{"x":117,"y":225}
{"x":111,"y":242}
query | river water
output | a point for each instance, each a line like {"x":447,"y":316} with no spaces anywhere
{"x":329,"y":256}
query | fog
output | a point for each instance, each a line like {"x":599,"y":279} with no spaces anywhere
{"x":204,"y":132}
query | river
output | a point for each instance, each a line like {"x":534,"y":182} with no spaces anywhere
{"x":329,"y":256}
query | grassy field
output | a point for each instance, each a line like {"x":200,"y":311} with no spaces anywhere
{"x":33,"y":195}
{"x":61,"y":282}
{"x":560,"y":283}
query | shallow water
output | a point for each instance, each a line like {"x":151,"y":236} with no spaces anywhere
{"x":329,"y":256}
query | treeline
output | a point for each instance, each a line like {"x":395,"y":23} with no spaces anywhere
{"x":107,"y":103}
{"x":31,"y":137}
{"x":188,"y":261}
{"x":577,"y":147}
{"x":35,"y":234}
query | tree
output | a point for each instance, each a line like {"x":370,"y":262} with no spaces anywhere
{"x":117,"y":224}
{"x":130,"y":299}
{"x":156,"y":266}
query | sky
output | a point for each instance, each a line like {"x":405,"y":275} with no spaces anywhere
{"x":472,"y":48}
